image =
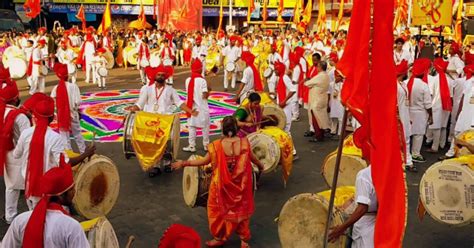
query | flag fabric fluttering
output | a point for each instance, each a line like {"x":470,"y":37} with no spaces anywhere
{"x":221,"y":17}
{"x":321,"y":23}
{"x":251,"y":8}
{"x":106,"y":23}
{"x":81,"y":15}
{"x":142,"y":16}
{"x":281,"y":7}
{"x":340,"y":15}
{"x":264,"y":11}
{"x":306,"y":18}
{"x":371,"y":97}
{"x":401,"y":13}
{"x":297,"y":12}
{"x":32,"y":8}
{"x":457,"y":27}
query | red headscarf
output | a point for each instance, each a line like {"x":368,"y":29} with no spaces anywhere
{"x":402,"y":68}
{"x":55,"y":182}
{"x":151,"y":73}
{"x":31,"y":102}
{"x":249,"y":58}
{"x":469,"y":70}
{"x":440,"y":65}
{"x":280,"y":68}
{"x":42,"y":112}
{"x":196,"y":70}
{"x":7,"y":94}
{"x":62,"y":98}
{"x":179,"y":236}
{"x":420,"y":67}
{"x":456,"y":48}
{"x":333,"y":56}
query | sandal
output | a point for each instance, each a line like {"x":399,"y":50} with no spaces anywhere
{"x":214,"y":243}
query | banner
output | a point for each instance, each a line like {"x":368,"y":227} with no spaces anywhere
{"x":185,"y":15}
{"x":435,"y":13}
{"x":205,"y":3}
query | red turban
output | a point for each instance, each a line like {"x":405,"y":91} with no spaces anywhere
{"x":42,"y":42}
{"x":55,"y":182}
{"x":179,"y":236}
{"x":31,"y":102}
{"x":234,"y":38}
{"x":440,"y":65}
{"x":196,"y":66}
{"x":151,"y":73}
{"x":420,"y":67}
{"x":333,"y":56}
{"x":469,"y":70}
{"x":42,"y":29}
{"x":455,"y":47}
{"x":199,"y":39}
{"x":402,"y":68}
{"x":249,"y":59}
{"x":61,"y":71}
{"x":280,"y":68}
{"x":339,"y":43}
{"x":299,"y":52}
{"x":280,"y":87}
{"x":196,"y":70}
{"x":294,"y":60}
{"x":9,"y":91}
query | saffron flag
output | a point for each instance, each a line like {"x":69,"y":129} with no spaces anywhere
{"x":457,"y":27}
{"x":155,"y":9}
{"x":340,"y":14}
{"x":306,"y":18}
{"x":106,"y":23}
{"x":372,"y":99}
{"x":32,"y":8}
{"x":251,"y":8}
{"x":401,"y":13}
{"x":221,"y":16}
{"x":264,"y":11}
{"x":321,"y":23}
{"x":297,"y":12}
{"x":81,"y":15}
{"x":141,"y":15}
{"x":281,"y":7}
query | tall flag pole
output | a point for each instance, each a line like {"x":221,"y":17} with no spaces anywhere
{"x":251,"y":8}
{"x":81,"y":15}
{"x":281,"y":7}
{"x":457,"y":28}
{"x":264,"y":12}
{"x":106,"y":20}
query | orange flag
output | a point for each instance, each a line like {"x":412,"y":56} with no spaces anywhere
{"x":321,"y":23}
{"x":250,"y":10}
{"x":297,"y":12}
{"x":340,"y":14}
{"x":32,"y":8}
{"x":264,"y":11}
{"x":281,"y":7}
{"x":81,"y":15}
{"x":306,"y":18}
{"x":106,"y":23}
{"x":401,"y":13}
{"x":142,"y":16}
{"x":457,"y":27}
{"x":221,"y":16}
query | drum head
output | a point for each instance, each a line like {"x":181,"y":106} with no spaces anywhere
{"x":266,"y":149}
{"x":267,"y":73}
{"x":446,"y":192}
{"x":276,"y":114}
{"x":350,"y":166}
{"x":18,"y":68}
{"x":110,"y":59}
{"x":144,"y":63}
{"x":230,"y":67}
{"x":132,"y":56}
{"x":102,"y":71}
{"x":467,"y":136}
{"x":175,"y":136}
{"x":97,"y":185}
{"x":191,"y":183}
{"x":127,"y":134}
{"x":155,"y":60}
{"x":10,"y":53}
{"x":302,"y":221}
{"x":72,"y":69}
{"x":105,"y":235}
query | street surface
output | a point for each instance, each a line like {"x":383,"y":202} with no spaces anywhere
{"x":147,"y":206}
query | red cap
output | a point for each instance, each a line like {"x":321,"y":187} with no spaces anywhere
{"x":280,"y":68}
{"x":421,"y":66}
{"x":9,"y":91}
{"x":4,"y":72}
{"x":57,"y":180}
{"x":180,"y":236}
{"x":42,"y":42}
{"x":42,"y":29}
{"x":234,"y":38}
{"x":199,"y":39}
{"x":31,"y":102}
{"x":440,"y":64}
{"x":299,"y":52}
{"x":90,"y":29}
{"x":196,"y":66}
{"x":402,"y":68}
{"x":455,"y":47}
{"x":44,"y":108}
{"x":61,"y":70}
{"x":248,"y":57}
{"x":469,"y":70}
{"x":333,"y":56}
{"x":151,"y":72}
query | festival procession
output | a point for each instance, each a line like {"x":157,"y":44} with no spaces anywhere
{"x":269,"y":123}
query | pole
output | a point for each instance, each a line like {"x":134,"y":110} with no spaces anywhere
{"x":441,"y":40}
{"x":334,"y":179}
{"x":230,"y":13}
{"x":410,"y":6}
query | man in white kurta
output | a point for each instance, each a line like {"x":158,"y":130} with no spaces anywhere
{"x":403,"y":104}
{"x":272,"y":59}
{"x":36,"y":78}
{"x":399,"y":54}
{"x":143,"y":60}
{"x":28,"y":50}
{"x":89,"y":47}
{"x":200,"y":52}
{"x":336,"y":111}
{"x":231,"y":54}
{"x":247,"y":85}
{"x":296,"y":76}
{"x":66,"y":56}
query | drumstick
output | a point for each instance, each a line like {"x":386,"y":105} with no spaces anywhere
{"x":121,"y":125}
{"x":131,"y":238}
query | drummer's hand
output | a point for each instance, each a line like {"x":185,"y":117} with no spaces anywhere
{"x":194,"y":113}
{"x":132,"y":108}
{"x":90,"y":150}
{"x":335,"y":233}
{"x":460,"y":142}
{"x":248,"y":124}
{"x":430,"y":120}
{"x":177,"y":165}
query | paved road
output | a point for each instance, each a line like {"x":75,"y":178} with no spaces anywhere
{"x":147,"y":206}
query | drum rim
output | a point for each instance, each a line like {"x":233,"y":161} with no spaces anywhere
{"x":278,"y":151}
{"x":231,"y":64}
{"x":422,"y":194}
{"x":126,"y":142}
{"x":103,"y":227}
{"x":192,"y":172}
{"x":272,"y":107}
{"x":102,"y":69}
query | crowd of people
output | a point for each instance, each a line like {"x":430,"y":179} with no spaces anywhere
{"x":298,"y":71}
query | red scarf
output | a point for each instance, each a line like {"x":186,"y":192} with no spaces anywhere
{"x":35,"y":168}
{"x":81,"y":60}
{"x":190,"y":100}
{"x":256,"y":78}
{"x":140,"y":52}
{"x":312,"y":72}
{"x":412,"y":81}
{"x":169,"y":53}
{"x":444,"y":90}
{"x":34,"y":230}
{"x":29,"y":70}
{"x":281,"y":89}
{"x":6,"y":136}
{"x":62,"y":105}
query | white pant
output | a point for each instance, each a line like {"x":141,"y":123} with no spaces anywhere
{"x":192,"y":136}
{"x":76,"y":133}
{"x":438,"y":136}
{"x":143,"y":76}
{"x":90,"y":71}
{"x":336,"y":126}
{"x":288,"y":109}
{"x":11,"y":203}
{"x":226,"y":79}
{"x":99,"y":79}
{"x":408,"y":161}
{"x":417,"y":140}
{"x":73,"y":77}
{"x":296,"y":109}
{"x":32,"y":201}
{"x":272,"y":81}
{"x":37,"y":85}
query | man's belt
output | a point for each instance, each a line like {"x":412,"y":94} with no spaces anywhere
{"x":37,"y":62}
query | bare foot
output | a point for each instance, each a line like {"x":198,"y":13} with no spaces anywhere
{"x":214,"y":243}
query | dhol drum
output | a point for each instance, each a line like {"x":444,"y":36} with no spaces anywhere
{"x":17,"y":68}
{"x":351,"y":163}
{"x":10,"y":53}
{"x":110,"y":59}
{"x":268,"y":72}
{"x":446,"y":191}
{"x":230,"y":67}
{"x":172,"y":145}
{"x":467,"y":136}
{"x":196,"y":181}
{"x":72,"y":70}
{"x":102,"y":71}
{"x":43,"y":70}
{"x":266,"y":149}
{"x":132,"y":55}
{"x":275,"y":114}
{"x":167,"y":62}
{"x":303,"y":218}
{"x":155,"y":59}
{"x":97,"y":185}
{"x":144,"y":63}
{"x":285,"y":144}
{"x":100,"y":233}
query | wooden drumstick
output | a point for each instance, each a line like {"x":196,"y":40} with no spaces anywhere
{"x":131,"y":238}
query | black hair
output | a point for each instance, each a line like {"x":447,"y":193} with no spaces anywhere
{"x":229,"y":126}
{"x":317,"y":56}
{"x":254,"y":97}
{"x":323,"y":65}
{"x":30,"y":42}
{"x":400,"y":40}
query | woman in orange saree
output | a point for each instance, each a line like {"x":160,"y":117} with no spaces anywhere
{"x":230,"y":203}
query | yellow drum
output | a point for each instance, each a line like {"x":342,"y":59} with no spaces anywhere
{"x":100,"y":233}
{"x":303,"y":218}
{"x":131,"y":53}
{"x":446,"y":191}
{"x":351,"y":163}
{"x":286,"y":148}
{"x":467,"y":136}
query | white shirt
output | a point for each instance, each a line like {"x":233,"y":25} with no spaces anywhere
{"x":290,"y":87}
{"x":199,"y":52}
{"x":74,"y":95}
{"x":420,"y":101}
{"x":466,"y":117}
{"x":53,"y":147}
{"x":232,"y":53}
{"x":160,"y":101}
{"x":402,"y":55}
{"x":403,"y":109}
{"x":60,"y":231}
{"x":89,"y":50}
{"x":295,"y":76}
{"x":66,"y":57}
{"x":199,"y":103}
{"x":37,"y":57}
{"x":304,"y":65}
{"x":363,"y":230}
{"x":455,"y":63}
{"x":248,"y":81}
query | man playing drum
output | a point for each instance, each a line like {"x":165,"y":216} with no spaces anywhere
{"x":35,"y":68}
{"x":232,"y":54}
{"x":249,"y":116}
{"x":230,"y":203}
{"x":49,"y":224}
{"x":200,"y":52}
{"x":198,"y":92}
{"x":65,"y":56}
{"x":251,"y":80}
{"x":158,"y":97}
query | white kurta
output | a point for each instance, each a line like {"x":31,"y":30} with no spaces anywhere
{"x":249,"y":84}
{"x":160,"y":101}
{"x":199,"y":52}
{"x":398,"y":57}
{"x":288,"y":109}
{"x":199,"y":103}
{"x":37,"y":61}
{"x":66,"y":57}
{"x":12,"y":172}
{"x":337,"y":110}
{"x":363,"y":230}
{"x":420,"y":101}
{"x":466,"y":117}
{"x":455,"y":63}
{"x":232,"y":53}
{"x":60,"y":231}
{"x":403,"y":108}
{"x":74,"y":96}
{"x":440,"y":117}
